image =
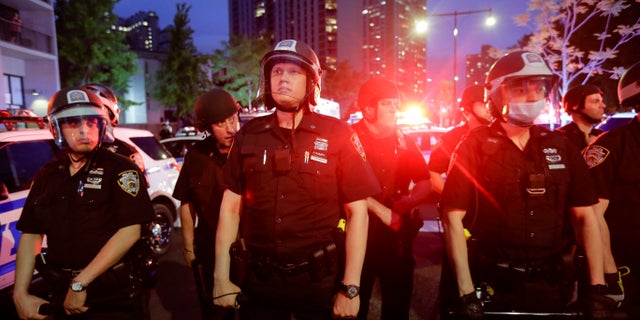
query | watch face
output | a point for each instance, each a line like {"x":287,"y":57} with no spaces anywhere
{"x":352,"y":291}
{"x":76,"y":286}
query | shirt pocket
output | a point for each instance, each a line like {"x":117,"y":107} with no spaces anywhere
{"x":320,"y":180}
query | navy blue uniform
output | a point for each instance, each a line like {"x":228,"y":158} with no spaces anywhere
{"x":614,"y":160}
{"x":293,"y":188}
{"x":396,"y":162}
{"x":573,"y":133}
{"x":441,"y":154}
{"x":80,"y":213}
{"x":517,"y":203}
{"x":199,"y":184}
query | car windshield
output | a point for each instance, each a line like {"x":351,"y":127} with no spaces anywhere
{"x":152,"y":147}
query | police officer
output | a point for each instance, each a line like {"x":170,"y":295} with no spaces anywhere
{"x":110,"y":103}
{"x":393,"y":222}
{"x":198,"y":187}
{"x":90,"y":204}
{"x":290,"y":173}
{"x":476,"y":113}
{"x":584,"y":103}
{"x":612,"y":160}
{"x":510,"y":184}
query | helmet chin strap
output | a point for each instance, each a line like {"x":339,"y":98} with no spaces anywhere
{"x":299,"y":106}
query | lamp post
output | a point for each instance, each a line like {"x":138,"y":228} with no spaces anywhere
{"x":422,"y":26}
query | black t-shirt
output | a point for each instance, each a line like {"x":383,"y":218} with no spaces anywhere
{"x":80,"y":213}
{"x":199,"y":183}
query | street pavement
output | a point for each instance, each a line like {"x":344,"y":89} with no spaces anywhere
{"x":174,"y":296}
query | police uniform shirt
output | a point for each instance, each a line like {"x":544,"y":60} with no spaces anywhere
{"x":614,"y":162}
{"x":80,"y":213}
{"x":124,"y":149}
{"x":575,"y":135}
{"x":522,"y":195}
{"x":441,"y":153}
{"x":199,"y":183}
{"x":396,"y":161}
{"x":293,"y":192}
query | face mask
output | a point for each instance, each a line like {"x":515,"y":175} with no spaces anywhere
{"x":523,"y":114}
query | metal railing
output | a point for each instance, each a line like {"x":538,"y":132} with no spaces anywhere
{"x":25,"y":37}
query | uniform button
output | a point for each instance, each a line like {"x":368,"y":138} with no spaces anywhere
{"x":532,"y":235}
{"x":531,"y":212}
{"x":278,"y":220}
{"x":281,"y":196}
{"x":317,"y":172}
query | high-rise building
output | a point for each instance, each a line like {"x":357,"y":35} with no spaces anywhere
{"x":142,"y":32}
{"x":478,"y":66}
{"x":391,"y":47}
{"x":375,"y":37}
{"x":313,"y":22}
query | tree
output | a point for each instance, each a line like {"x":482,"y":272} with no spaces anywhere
{"x":561,"y":36}
{"x":338,"y":85}
{"x":236,"y":66}
{"x":183,"y":76}
{"x":89,"y":50}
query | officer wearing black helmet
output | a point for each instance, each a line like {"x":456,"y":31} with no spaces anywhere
{"x":90,"y":204}
{"x":613,"y":162}
{"x":476,"y":114}
{"x":290,"y":173}
{"x":511,"y":184}
{"x":584,"y":103}
{"x":198,"y":187}
{"x":393,"y":220}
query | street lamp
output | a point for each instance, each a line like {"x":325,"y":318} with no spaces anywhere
{"x":422,"y":26}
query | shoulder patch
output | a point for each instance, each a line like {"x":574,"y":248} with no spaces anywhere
{"x":595,"y":155}
{"x":358,"y":146}
{"x":129,"y":182}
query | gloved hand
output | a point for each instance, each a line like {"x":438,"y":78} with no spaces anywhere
{"x":470,"y":307}
{"x":615,"y":289}
{"x":598,"y":305}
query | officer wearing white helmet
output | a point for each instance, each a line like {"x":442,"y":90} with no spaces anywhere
{"x":290,"y":174}
{"x":613,"y":162}
{"x":512,"y":185}
{"x":90,"y":204}
{"x":110,"y":103}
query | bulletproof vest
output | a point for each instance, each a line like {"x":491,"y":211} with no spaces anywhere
{"x":521,"y":196}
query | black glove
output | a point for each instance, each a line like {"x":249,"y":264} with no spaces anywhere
{"x":598,"y":305}
{"x":470,"y":307}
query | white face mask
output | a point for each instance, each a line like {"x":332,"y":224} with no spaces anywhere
{"x":523,"y":114}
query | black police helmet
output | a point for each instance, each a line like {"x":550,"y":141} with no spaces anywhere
{"x":213,"y":107}
{"x":576,"y":95}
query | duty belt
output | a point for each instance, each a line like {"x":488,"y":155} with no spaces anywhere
{"x":317,"y":262}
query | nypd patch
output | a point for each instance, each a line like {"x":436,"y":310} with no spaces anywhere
{"x":595,"y":155}
{"x":129,"y":182}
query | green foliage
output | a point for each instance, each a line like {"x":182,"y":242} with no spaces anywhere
{"x":183,"y":76}
{"x":88,"y":48}
{"x":338,"y":85}
{"x":236,"y":67}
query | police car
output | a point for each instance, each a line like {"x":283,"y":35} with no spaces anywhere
{"x":26,"y":146}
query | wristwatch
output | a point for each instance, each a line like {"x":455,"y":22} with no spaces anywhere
{"x":350,"y":290}
{"x":77,"y":286}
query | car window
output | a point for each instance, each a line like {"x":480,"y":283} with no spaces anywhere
{"x":152,"y":147}
{"x":20,"y":161}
